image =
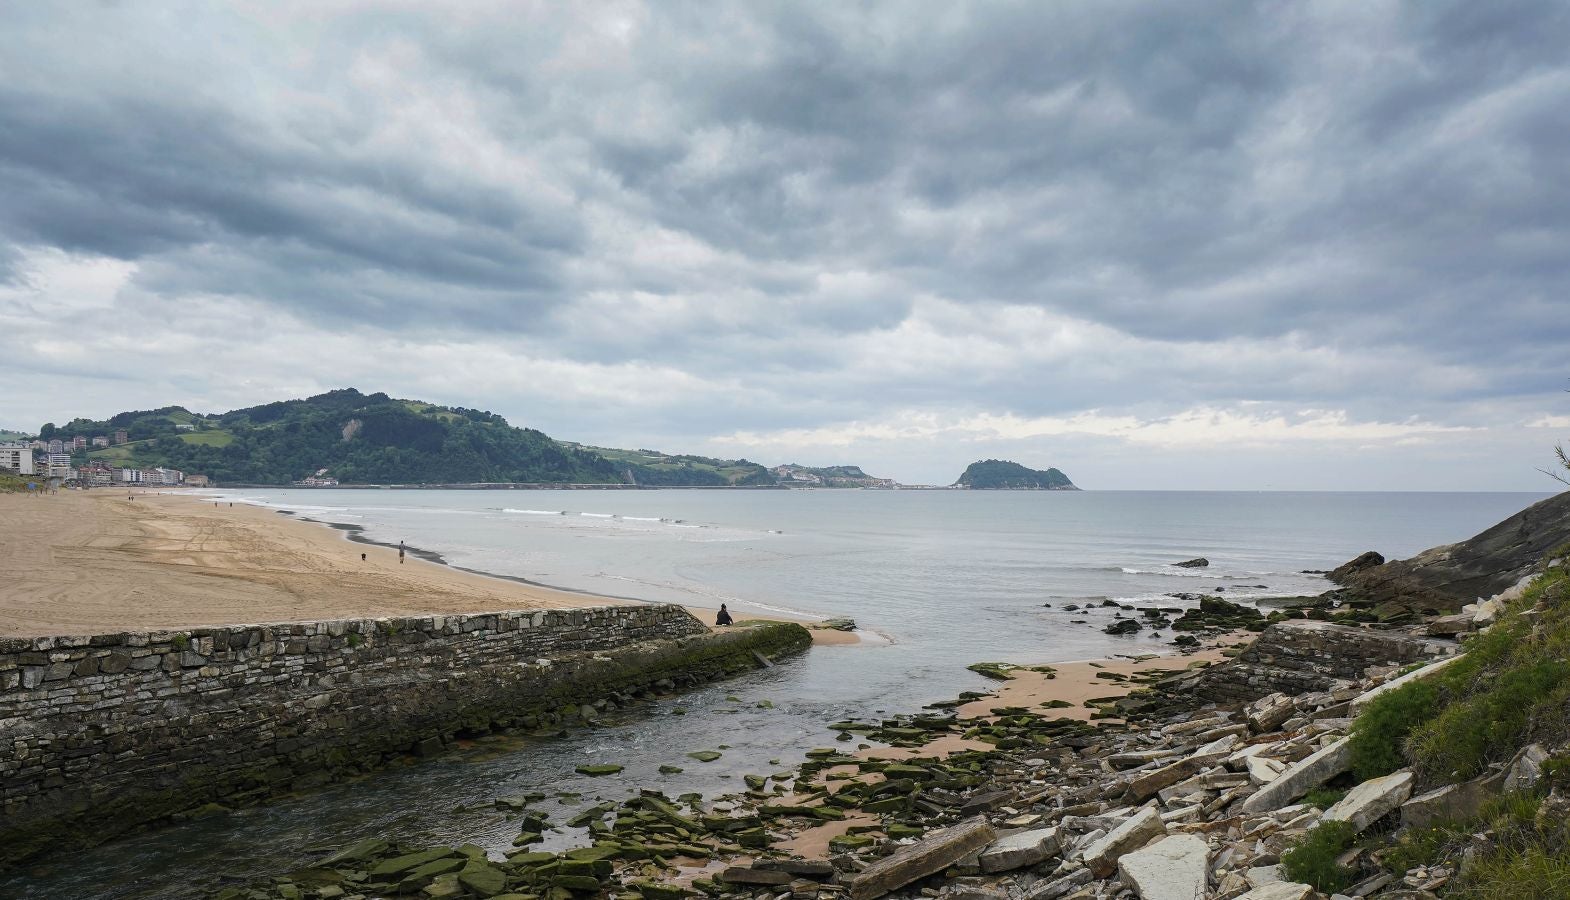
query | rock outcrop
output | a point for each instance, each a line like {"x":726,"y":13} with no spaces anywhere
{"x":1443,"y":579}
{"x":1303,"y":655}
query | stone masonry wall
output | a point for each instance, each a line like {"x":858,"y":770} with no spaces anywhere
{"x":1301,"y":656}
{"x":99,"y":734}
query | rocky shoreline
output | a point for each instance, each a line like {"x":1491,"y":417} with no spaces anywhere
{"x":1165,"y":795}
{"x":1018,"y":802}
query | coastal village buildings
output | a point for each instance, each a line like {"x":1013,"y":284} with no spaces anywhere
{"x":36,"y":458}
{"x":18,"y":457}
{"x":59,"y":465}
{"x":121,"y":437}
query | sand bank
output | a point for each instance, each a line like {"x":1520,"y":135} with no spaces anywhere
{"x":96,"y":561}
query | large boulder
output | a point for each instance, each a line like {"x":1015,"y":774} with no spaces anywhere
{"x":1444,"y":579}
{"x":1372,"y":800}
{"x":1453,"y":802}
{"x":1173,"y":868}
{"x":1367,"y":560}
{"x":1308,"y":773}
{"x":1135,"y":832}
{"x":1526,"y":770}
{"x":1020,"y":849}
{"x":931,"y":854}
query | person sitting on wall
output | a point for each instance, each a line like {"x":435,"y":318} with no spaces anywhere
{"x":724,"y":617}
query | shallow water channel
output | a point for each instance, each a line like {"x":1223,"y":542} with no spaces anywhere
{"x":451,"y":798}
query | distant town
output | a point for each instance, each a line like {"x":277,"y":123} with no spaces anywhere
{"x":52,"y":462}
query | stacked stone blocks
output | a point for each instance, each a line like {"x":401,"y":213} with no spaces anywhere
{"x":103,"y":732}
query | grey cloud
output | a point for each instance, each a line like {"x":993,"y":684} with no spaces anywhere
{"x":1385,"y":183}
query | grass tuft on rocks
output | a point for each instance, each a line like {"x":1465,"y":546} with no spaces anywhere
{"x":1514,"y":854}
{"x":1513,"y":685}
{"x":1312,"y":860}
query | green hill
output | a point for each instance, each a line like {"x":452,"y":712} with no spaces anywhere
{"x":376,"y":439}
{"x":653,"y":468}
{"x":357,"y":438}
{"x":1003,"y":475}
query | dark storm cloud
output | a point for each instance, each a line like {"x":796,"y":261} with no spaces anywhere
{"x":834,"y":205}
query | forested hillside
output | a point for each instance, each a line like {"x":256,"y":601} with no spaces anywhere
{"x":355,"y":437}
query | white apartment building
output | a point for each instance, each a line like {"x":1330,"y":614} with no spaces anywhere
{"x":59,"y":465}
{"x":17,"y":457}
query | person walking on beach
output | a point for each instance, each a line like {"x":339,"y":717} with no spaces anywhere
{"x":724,"y":617}
{"x":400,"y":553}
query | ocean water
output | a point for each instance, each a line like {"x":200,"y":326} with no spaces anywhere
{"x":936,"y":580}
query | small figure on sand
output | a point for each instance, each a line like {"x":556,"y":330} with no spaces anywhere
{"x":362,"y":557}
{"x":400,"y":553}
{"x":724,"y":617}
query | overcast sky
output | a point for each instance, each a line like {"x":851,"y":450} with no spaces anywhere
{"x":1157,"y":245}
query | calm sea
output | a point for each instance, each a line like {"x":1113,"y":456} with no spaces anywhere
{"x":937,"y":580}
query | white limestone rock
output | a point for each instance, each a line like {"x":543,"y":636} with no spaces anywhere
{"x":1140,"y":829}
{"x":1372,"y":800}
{"x":1173,"y":868}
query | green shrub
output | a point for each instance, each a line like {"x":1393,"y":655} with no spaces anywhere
{"x":1379,"y":733}
{"x":181,"y":642}
{"x":1312,"y":860}
{"x":1490,"y":725}
{"x":1426,"y":847}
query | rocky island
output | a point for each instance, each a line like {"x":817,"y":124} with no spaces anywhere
{"x":1005,"y":475}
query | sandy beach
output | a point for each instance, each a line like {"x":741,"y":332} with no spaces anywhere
{"x":96,"y":562}
{"x":93,"y":562}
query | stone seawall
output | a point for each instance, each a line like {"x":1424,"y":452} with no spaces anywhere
{"x":1302,"y":656}
{"x":101,"y":734}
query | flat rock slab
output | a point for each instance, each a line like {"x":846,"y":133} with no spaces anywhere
{"x":744,"y":875}
{"x":1173,"y":868}
{"x":1453,"y":801}
{"x":1267,"y":713}
{"x":1259,"y":876}
{"x":802,"y":868}
{"x":931,"y":854}
{"x":1140,"y":829}
{"x":1361,"y":702}
{"x":1262,"y":770}
{"x":1051,"y":890}
{"x":1021,"y":849}
{"x":1281,"y":890}
{"x":1372,"y":800}
{"x":1150,"y":783}
{"x":1303,"y":776}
